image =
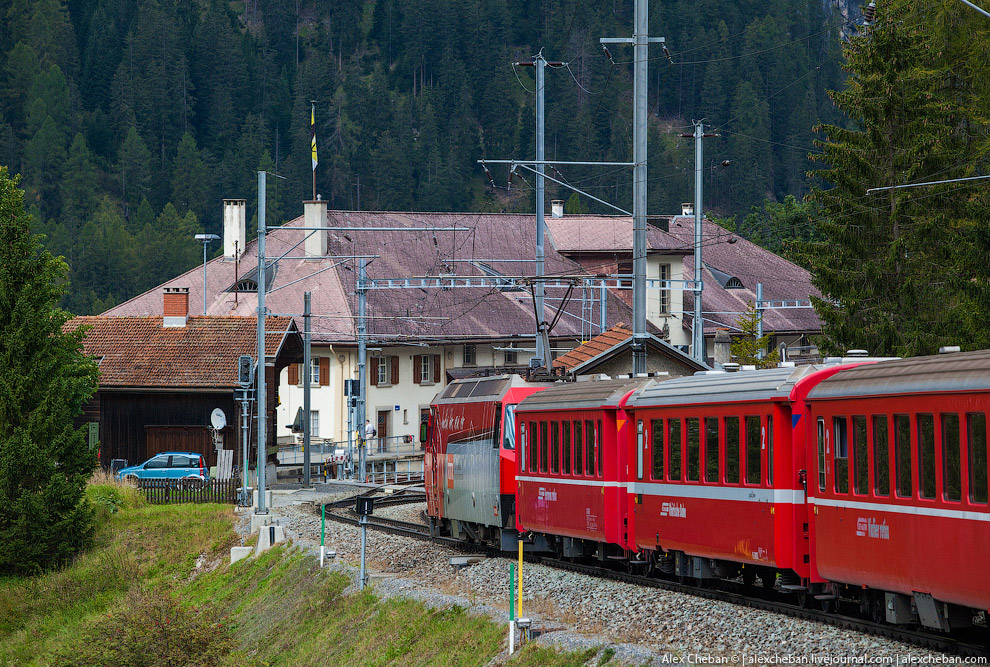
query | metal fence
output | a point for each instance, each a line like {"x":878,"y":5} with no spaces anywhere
{"x":166,"y":491}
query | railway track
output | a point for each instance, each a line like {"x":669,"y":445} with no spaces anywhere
{"x":343,"y":511}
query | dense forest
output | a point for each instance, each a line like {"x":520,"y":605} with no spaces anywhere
{"x":130,"y":121}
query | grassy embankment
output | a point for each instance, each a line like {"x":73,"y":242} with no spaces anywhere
{"x":157,"y":589}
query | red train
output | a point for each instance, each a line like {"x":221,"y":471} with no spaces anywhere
{"x":863,"y":483}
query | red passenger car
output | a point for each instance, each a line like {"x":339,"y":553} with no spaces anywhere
{"x":470,"y":458}
{"x":898,"y":485}
{"x":573,"y":460}
{"x":715,"y":488}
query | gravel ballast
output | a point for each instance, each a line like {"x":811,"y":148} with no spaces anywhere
{"x":574,"y":611}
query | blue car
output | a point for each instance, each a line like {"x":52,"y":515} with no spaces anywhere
{"x":187,"y":468}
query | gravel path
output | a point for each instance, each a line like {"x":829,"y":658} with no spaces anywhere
{"x":574,"y":611}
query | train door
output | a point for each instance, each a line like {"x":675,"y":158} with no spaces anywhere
{"x":432,"y":460}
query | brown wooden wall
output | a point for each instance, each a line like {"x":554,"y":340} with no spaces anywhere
{"x":127,"y":420}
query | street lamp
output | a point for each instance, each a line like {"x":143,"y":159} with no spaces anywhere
{"x":205,"y":239}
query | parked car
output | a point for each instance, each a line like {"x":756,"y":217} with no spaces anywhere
{"x":189,"y":468}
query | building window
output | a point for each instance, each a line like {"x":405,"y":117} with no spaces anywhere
{"x":383,"y":368}
{"x":664,"y":293}
{"x":314,"y":374}
{"x":426,"y":369}
{"x":511,"y":357}
{"x":314,"y":423}
{"x":470,"y":355}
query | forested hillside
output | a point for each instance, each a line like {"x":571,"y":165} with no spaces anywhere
{"x":129,"y":121}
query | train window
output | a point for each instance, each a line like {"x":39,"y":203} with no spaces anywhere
{"x":509,"y":432}
{"x":711,"y":449}
{"x":565,"y":446}
{"x":676,"y":446}
{"x":555,"y":447}
{"x":656,"y":429}
{"x":754,"y":443}
{"x":578,"y":449}
{"x":902,"y":455}
{"x":522,"y":447}
{"x":926,"y":455}
{"x":861,"y":463}
{"x":976,"y":445}
{"x":534,"y":449}
{"x":639,"y":449}
{"x":821,"y":454}
{"x":881,"y":456}
{"x":693,"y":449}
{"x":732,"y":450}
{"x":543,"y":446}
{"x":600,"y":447}
{"x":589,"y":447}
{"x":840,"y":448}
{"x":951,"y":470}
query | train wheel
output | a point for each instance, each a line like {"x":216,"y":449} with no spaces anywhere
{"x":878,"y":614}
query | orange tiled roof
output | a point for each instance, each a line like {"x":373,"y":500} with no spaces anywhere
{"x":140,"y":352}
{"x":604,"y":341}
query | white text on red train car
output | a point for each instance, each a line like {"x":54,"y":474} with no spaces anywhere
{"x":675,"y":510}
{"x":868,"y":527}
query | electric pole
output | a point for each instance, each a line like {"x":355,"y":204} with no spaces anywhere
{"x":641,"y":71}
{"x":698,"y":326}
{"x":260,"y":381}
{"x":539,"y":291}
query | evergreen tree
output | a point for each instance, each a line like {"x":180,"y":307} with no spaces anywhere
{"x":893,"y":267}
{"x":45,"y":380}
{"x":189,"y":176}
{"x":749,"y":348}
{"x":79,"y":184}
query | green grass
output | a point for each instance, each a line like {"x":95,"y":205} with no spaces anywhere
{"x":134,"y":600}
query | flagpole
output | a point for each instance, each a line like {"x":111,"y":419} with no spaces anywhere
{"x":312,"y":127}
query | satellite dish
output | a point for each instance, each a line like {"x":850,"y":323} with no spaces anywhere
{"x":219,"y":419}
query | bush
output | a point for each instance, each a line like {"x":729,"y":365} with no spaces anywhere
{"x":150,"y":629}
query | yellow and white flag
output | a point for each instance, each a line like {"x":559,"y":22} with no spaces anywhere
{"x":312,"y":132}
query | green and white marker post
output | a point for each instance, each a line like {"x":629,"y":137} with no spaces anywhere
{"x":323,"y":532}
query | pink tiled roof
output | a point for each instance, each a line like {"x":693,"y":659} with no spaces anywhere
{"x":140,"y":352}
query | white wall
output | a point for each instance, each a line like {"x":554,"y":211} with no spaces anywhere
{"x":407,"y":395}
{"x":675,"y":316}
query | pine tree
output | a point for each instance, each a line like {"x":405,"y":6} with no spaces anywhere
{"x":892,"y":266}
{"x":44,"y":382}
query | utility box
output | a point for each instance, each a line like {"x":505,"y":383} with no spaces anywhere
{"x":365,"y":506}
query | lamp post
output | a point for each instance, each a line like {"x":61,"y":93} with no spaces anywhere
{"x":205,"y":239}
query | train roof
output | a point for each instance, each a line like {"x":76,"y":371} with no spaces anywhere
{"x":961,"y":371}
{"x":470,"y":390}
{"x":585,"y":394}
{"x":720,"y":387}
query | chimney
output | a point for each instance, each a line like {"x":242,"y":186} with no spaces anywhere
{"x":723,"y":348}
{"x":315,"y":215}
{"x":687,"y":208}
{"x":557,"y":208}
{"x":175,"y":307}
{"x":234,"y":227}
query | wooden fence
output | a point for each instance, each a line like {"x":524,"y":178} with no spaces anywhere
{"x":165,"y":491}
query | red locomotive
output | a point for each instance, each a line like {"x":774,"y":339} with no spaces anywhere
{"x":470,"y":460}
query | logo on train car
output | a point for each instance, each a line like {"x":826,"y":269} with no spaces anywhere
{"x":449,"y":422}
{"x":868,"y":527}
{"x":547,"y":496}
{"x":676,"y":510}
